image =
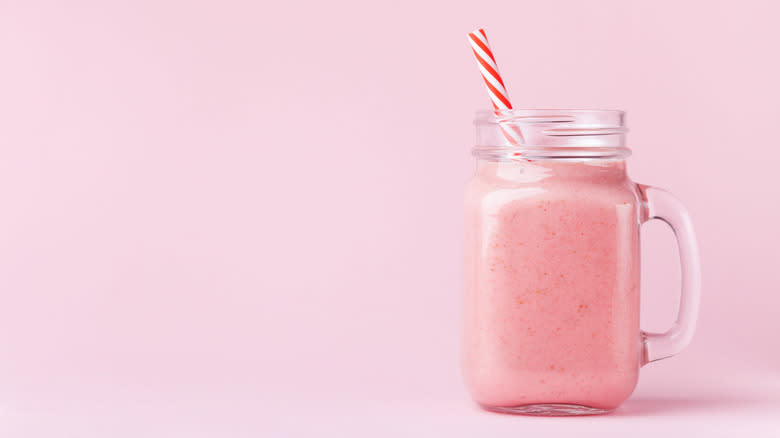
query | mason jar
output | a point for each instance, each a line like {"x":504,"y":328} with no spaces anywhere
{"x":552,"y":264}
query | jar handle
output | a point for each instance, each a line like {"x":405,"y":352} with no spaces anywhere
{"x":660,"y":204}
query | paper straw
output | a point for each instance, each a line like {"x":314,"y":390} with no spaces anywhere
{"x":495,"y":85}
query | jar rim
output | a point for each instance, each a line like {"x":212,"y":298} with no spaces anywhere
{"x":551,"y":133}
{"x":495,"y":114}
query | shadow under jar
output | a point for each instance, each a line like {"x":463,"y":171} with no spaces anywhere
{"x":552,"y":265}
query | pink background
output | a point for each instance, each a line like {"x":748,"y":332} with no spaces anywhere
{"x":230,"y":218}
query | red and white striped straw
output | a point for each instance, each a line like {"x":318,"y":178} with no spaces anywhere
{"x":495,"y":85}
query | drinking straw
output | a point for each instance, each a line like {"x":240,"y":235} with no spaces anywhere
{"x":495,"y":85}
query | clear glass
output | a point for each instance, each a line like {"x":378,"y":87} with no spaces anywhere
{"x":552,"y":265}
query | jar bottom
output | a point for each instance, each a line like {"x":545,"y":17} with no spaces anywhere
{"x":547,"y":410}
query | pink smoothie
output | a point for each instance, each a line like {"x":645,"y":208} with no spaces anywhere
{"x":552,"y":284}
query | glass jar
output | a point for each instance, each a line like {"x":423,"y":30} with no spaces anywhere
{"x":552,"y":265}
